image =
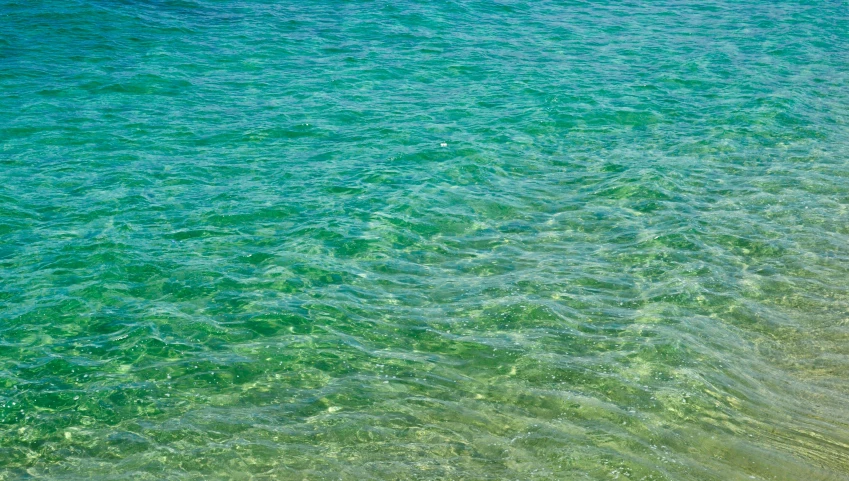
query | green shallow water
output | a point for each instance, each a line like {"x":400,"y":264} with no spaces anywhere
{"x":458,"y":240}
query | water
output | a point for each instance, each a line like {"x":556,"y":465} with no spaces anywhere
{"x":454,"y":240}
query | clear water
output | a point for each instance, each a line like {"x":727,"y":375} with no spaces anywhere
{"x":447,"y":240}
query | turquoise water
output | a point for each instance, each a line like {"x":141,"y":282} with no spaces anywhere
{"x":455,"y":240}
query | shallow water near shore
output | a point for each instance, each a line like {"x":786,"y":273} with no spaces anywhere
{"x":460,"y":240}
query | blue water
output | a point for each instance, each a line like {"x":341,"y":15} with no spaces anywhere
{"x":450,"y":240}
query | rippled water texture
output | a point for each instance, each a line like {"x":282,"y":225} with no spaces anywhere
{"x":446,"y":240}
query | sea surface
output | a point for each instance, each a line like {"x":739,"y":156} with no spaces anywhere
{"x":448,"y":240}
